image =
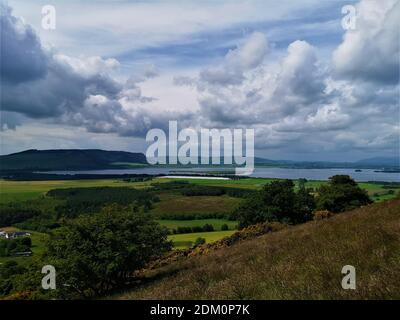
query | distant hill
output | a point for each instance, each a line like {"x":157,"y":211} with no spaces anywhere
{"x":390,"y":162}
{"x":298,"y":262}
{"x":68,"y":159}
{"x":373,"y":163}
{"x":91,"y":159}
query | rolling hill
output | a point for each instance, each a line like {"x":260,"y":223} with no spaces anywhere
{"x":299,"y":262}
{"x":68,"y":159}
{"x":87,"y":159}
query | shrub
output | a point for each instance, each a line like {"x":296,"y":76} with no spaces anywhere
{"x":278,"y":201}
{"x":97,"y":253}
{"x":199,"y":241}
{"x":224,"y":227}
{"x":341,"y":194}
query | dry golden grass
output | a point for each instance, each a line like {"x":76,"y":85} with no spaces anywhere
{"x":301,"y":262}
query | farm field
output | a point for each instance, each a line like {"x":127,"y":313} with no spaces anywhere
{"x":193,"y":206}
{"x":29,"y":190}
{"x":183,"y":241}
{"x":173,"y":210}
{"x":216,"y":223}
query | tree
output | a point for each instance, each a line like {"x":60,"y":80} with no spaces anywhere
{"x":208,"y":227}
{"x":304,"y":205}
{"x":252,"y":211}
{"x":341,"y":194}
{"x":93,"y":254}
{"x":278,"y":201}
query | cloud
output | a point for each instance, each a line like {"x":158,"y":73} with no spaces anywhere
{"x":288,"y":89}
{"x":245,"y":57}
{"x":22,"y":56}
{"x":250,"y":91}
{"x":295,"y":103}
{"x":77,"y":91}
{"x":371,"y":51}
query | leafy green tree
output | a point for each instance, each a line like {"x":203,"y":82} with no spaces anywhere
{"x":304,"y":205}
{"x":208,"y":227}
{"x":341,"y":194}
{"x":278,"y":201}
{"x":252,"y":210}
{"x":94,"y":254}
{"x":279,"y":197}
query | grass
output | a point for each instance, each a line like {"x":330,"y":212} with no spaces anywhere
{"x":11,"y":191}
{"x":300,"y":262}
{"x":216,"y":223}
{"x":172,"y":204}
{"x":183,"y":241}
{"x":250,"y":183}
{"x":28,"y":190}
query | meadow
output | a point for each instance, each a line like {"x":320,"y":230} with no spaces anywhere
{"x":192,"y":211}
{"x":29,"y":190}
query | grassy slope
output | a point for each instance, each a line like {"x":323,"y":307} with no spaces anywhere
{"x":301,"y":262}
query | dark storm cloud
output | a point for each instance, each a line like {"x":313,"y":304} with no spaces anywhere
{"x":22,"y":56}
{"x":42,"y":84}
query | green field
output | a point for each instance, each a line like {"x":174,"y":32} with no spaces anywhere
{"x":216,"y":223}
{"x":183,"y":241}
{"x":191,"y":209}
{"x":200,"y":205}
{"x":28,"y":190}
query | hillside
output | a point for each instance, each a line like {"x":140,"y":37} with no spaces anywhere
{"x":371,"y":163}
{"x":68,"y":159}
{"x":300,"y":262}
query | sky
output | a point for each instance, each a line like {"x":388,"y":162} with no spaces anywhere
{"x":311,"y":87}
